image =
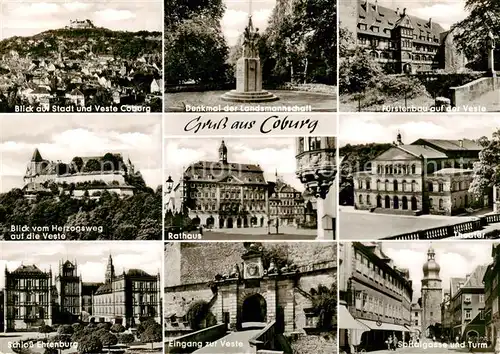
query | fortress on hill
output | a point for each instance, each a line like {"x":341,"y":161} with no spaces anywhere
{"x":80,"y":24}
{"x":89,"y":175}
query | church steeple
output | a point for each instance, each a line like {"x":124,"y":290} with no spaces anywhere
{"x":37,"y":157}
{"x":110,"y":270}
{"x":223,"y":153}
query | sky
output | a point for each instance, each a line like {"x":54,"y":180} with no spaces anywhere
{"x":383,"y":128}
{"x":62,"y":137}
{"x":444,"y":12}
{"x":26,"y":18}
{"x":91,"y":257}
{"x":456,"y":259}
{"x":271,"y":154}
{"x":236,"y":17}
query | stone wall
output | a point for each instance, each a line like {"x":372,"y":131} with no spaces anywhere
{"x":306,"y":283}
{"x":172,"y":264}
{"x":463,"y":95}
{"x":178,"y":302}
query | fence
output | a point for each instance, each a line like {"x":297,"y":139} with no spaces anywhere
{"x":457,"y":230}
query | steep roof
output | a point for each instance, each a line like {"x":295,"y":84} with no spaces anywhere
{"x":216,"y":171}
{"x":104,"y":288}
{"x":137,"y":272}
{"x":28,"y":269}
{"x":476,"y":278}
{"x":386,"y":18}
{"x":37,"y":157}
{"x":455,"y":285}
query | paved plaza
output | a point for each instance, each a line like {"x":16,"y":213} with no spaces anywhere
{"x":363,"y":225}
{"x":254,"y":233}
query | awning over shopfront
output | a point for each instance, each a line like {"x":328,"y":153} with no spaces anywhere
{"x":346,"y":321}
{"x":382,"y":326}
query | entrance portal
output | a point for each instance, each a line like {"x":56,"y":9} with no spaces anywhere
{"x":254,"y":309}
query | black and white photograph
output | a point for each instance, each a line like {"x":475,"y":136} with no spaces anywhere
{"x":418,"y":297}
{"x":80,"y":177}
{"x":81,"y":56}
{"x":419,"y":56}
{"x":250,"y":56}
{"x":230,"y":297}
{"x":419,"y":177}
{"x":250,"y":188}
{"x":81,"y":297}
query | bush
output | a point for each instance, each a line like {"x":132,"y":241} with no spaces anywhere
{"x":45,"y":329}
{"x":89,"y":345}
{"x":65,"y":329}
{"x":104,"y":325}
{"x":145,"y":324}
{"x":117,"y":328}
{"x":197,"y":313}
{"x":126,"y":338}
{"x":399,"y":86}
{"x":50,"y":351}
{"x":77,"y":327}
{"x":152,"y":334}
{"x":356,"y":72}
{"x":108,"y":339}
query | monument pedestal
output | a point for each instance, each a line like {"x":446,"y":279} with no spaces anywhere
{"x":249,"y":83}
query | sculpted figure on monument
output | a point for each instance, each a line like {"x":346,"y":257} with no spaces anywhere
{"x":250,"y":39}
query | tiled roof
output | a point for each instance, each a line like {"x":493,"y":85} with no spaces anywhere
{"x":105,"y":288}
{"x":28,"y":269}
{"x":386,"y":18}
{"x":476,"y":278}
{"x":137,"y":272}
{"x":454,"y":285}
{"x":213,"y":171}
{"x":451,"y":145}
{"x":422,"y":150}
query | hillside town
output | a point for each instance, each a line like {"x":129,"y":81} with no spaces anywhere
{"x":81,"y":68}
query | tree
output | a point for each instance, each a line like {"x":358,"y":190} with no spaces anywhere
{"x":66,"y":329}
{"x":197,"y":313}
{"x":152,"y":334}
{"x":77,"y":164}
{"x":324,"y":304}
{"x":108,"y":339}
{"x":145,"y":325}
{"x":471,"y":33}
{"x":487,"y":169}
{"x":92,"y":165}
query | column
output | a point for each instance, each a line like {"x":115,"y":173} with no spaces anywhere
{"x":326,"y":212}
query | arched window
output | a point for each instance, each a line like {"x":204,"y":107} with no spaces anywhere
{"x":413,"y":169}
{"x":405,"y":203}
{"x":386,"y":169}
{"x":431,"y":203}
{"x":391,"y":169}
{"x":404,"y":188}
{"x":440,"y":187}
{"x":368,"y":200}
{"x":413,"y":186}
{"x":387,"y":202}
{"x":386,"y":184}
{"x":396,"y":202}
{"x":405,"y":169}
{"x":360,"y":199}
{"x":395,"y":185}
{"x":360,"y":184}
{"x":430,"y":187}
{"x":440,"y":204}
{"x":379,"y":185}
{"x":367,"y":184}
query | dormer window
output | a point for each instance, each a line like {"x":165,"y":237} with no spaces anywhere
{"x":362,"y":26}
{"x":375,"y":29}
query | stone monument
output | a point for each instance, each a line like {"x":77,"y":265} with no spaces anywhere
{"x":249,"y":72}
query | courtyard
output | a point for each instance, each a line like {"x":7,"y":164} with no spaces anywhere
{"x":363,"y":225}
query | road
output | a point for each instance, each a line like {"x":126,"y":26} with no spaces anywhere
{"x":363,"y":225}
{"x":252,"y":234}
{"x":235,"y":342}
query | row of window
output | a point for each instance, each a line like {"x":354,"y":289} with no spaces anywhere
{"x":287,"y":211}
{"x":259,"y":207}
{"x":28,"y":283}
{"x":398,"y":169}
{"x":310,"y":144}
{"x":378,"y":306}
{"x":371,"y":270}
{"x":404,"y":31}
{"x":405,"y":203}
{"x":232,"y":195}
{"x":386,"y":185}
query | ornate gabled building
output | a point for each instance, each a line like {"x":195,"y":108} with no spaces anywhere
{"x":432,"y":295}
{"x":286,"y":205}
{"x":427,"y":176}
{"x":128,"y":298}
{"x":398,"y":40}
{"x":69,"y":291}
{"x":28,"y":298}
{"x":223,"y":194}
{"x":82,"y":176}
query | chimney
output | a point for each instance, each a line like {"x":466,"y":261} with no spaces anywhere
{"x":430,"y":23}
{"x":397,"y":11}
{"x":376,"y":6}
{"x":461,"y":143}
{"x":404,"y":11}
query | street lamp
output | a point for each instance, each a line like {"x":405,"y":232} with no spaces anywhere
{"x":169,"y":184}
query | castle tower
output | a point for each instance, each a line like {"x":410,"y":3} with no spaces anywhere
{"x":223,"y":153}
{"x":110,"y":270}
{"x":432,"y":294}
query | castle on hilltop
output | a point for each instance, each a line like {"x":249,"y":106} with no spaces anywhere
{"x":80,"y":24}
{"x":83,"y":176}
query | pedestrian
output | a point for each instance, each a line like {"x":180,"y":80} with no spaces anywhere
{"x":389,"y":343}
{"x":395,"y":342}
